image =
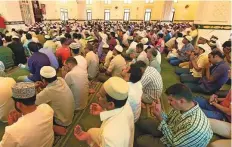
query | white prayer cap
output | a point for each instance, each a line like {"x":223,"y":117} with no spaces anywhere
{"x":47,"y":72}
{"x":123,"y":30}
{"x":15,"y":37}
{"x":202,"y":46}
{"x":189,"y":38}
{"x":47,"y":37}
{"x":116,"y":35}
{"x":111,"y":30}
{"x":105,"y":45}
{"x":144,"y":40}
{"x":117,"y":88}
{"x":75,"y":45}
{"x":205,"y":37}
{"x":119,"y":48}
{"x":130,"y":38}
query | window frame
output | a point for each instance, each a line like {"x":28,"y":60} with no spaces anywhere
{"x":126,"y":13}
{"x":89,"y":11}
{"x":147,"y":12}
{"x":105,"y":14}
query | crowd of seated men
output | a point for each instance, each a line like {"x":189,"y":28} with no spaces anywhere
{"x":65,"y":59}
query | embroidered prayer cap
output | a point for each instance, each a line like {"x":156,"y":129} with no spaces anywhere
{"x":202,"y":46}
{"x":117,"y":88}
{"x":23,"y":90}
{"x":47,"y":72}
{"x":119,"y":48}
{"x":130,"y":38}
{"x":15,"y":37}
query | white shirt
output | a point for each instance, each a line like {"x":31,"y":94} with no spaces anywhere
{"x":6,"y":102}
{"x":134,"y":98}
{"x":103,"y":36}
{"x":34,"y":129}
{"x":92,"y":64}
{"x":81,"y":62}
{"x":143,"y":57}
{"x":132,"y":46}
{"x":116,"y":66}
{"x":158,"y":57}
{"x":77,"y":80}
{"x":124,"y":39}
{"x":117,"y":127}
{"x":59,"y":96}
{"x":107,"y":59}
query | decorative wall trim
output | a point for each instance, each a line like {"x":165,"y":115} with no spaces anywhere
{"x":214,"y":27}
{"x":183,"y":20}
{"x":14,"y":22}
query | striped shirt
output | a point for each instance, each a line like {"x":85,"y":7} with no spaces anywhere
{"x":152,"y":84}
{"x":189,"y":129}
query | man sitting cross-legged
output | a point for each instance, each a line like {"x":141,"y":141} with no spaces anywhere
{"x":117,"y":129}
{"x":184,"y":126}
{"x":214,"y":76}
{"x":58,"y":95}
{"x":198,"y":61}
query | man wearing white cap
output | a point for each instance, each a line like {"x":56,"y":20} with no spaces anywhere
{"x":108,"y":57}
{"x":92,"y":62}
{"x":18,"y":50}
{"x":58,"y":95}
{"x":117,"y":63}
{"x":198,"y":61}
{"x":117,"y":129}
{"x":77,"y":80}
{"x":184,"y":53}
{"x":75,"y":49}
{"x":142,"y":55}
{"x":124,"y":38}
{"x":50,"y":44}
{"x":203,"y":41}
{"x":30,"y":125}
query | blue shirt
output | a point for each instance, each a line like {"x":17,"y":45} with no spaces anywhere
{"x":182,"y":55}
{"x":27,"y":50}
{"x":51,"y":57}
{"x":219,"y":72}
{"x":35,"y":63}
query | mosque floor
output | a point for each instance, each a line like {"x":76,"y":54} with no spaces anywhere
{"x":87,"y":121}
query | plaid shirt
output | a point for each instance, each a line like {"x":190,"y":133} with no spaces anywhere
{"x":152,"y":83}
{"x":189,"y":129}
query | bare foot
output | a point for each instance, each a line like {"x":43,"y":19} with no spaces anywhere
{"x":81,"y":135}
{"x":59,"y":130}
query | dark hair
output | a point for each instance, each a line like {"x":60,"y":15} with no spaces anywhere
{"x":196,"y":26}
{"x":8,"y":38}
{"x":136,"y":73}
{"x":39,"y":45}
{"x":226,"y":44}
{"x":179,"y":90}
{"x":28,"y":102}
{"x":33,"y":47}
{"x":112,"y":34}
{"x":161,"y":35}
{"x":141,"y":64}
{"x":76,"y":51}
{"x":179,"y":34}
{"x":49,"y":80}
{"x":75,"y":35}
{"x":67,"y":35}
{"x":117,"y":103}
{"x":140,"y":46}
{"x":1,"y":42}
{"x":28,"y":36}
{"x":79,"y":36}
{"x":154,"y":52}
{"x":63,"y":40}
{"x":71,"y":60}
{"x":218,"y":53}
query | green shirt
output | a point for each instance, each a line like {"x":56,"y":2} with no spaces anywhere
{"x":188,"y":129}
{"x":6,"y":56}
